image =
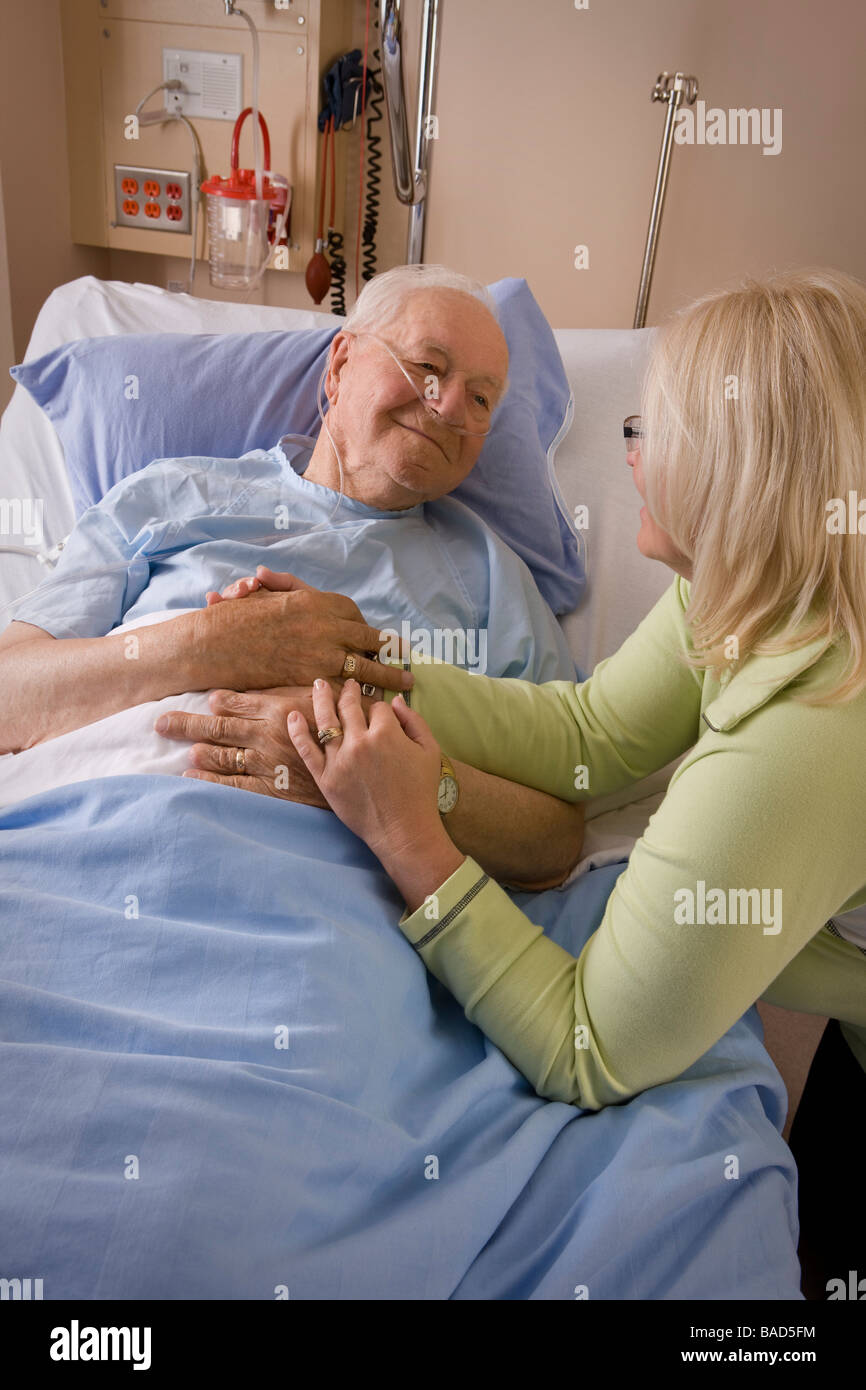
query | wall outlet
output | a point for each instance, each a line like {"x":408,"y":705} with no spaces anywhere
{"x":156,"y":199}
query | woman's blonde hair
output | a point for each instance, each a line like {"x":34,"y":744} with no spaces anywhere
{"x":754,"y":413}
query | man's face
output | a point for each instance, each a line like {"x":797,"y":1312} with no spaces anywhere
{"x":394,"y":452}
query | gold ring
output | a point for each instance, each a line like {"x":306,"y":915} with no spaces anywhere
{"x":325,"y":735}
{"x":241,"y":760}
{"x":350,"y":665}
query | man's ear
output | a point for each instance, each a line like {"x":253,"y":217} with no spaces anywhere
{"x":338,"y":356}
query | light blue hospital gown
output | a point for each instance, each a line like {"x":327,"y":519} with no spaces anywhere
{"x":165,"y":535}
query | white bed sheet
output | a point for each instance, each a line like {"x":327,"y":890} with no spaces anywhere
{"x":121,"y":744}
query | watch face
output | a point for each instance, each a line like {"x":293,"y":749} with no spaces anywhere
{"x":447,"y":795}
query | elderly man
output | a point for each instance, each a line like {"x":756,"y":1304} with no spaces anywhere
{"x":366,"y":507}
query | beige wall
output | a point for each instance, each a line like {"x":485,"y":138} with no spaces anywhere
{"x":548,"y":138}
{"x":7,"y":338}
{"x":33,"y":164}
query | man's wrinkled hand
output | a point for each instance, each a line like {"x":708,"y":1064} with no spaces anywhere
{"x":286,"y":633}
{"x":254,"y":723}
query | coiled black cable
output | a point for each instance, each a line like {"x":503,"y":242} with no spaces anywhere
{"x":374,"y":168}
{"x":338,"y":272}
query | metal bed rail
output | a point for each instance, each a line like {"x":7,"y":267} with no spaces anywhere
{"x":411,"y":175}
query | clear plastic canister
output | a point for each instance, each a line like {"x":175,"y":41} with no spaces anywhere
{"x":238,"y":246}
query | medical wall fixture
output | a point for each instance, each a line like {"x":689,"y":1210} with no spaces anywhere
{"x":411,"y":176}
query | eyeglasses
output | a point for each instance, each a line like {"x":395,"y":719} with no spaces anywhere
{"x":632,"y":428}
{"x":424,"y":375}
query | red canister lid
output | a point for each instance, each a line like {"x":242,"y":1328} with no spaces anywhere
{"x":241,"y":183}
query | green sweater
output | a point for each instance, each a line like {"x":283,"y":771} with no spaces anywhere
{"x":771,"y":797}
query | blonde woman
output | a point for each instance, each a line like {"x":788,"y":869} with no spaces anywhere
{"x":749,"y":454}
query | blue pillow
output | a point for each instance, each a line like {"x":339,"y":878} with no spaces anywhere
{"x":121,"y":401}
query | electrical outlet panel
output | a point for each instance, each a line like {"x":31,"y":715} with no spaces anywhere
{"x":159,"y":199}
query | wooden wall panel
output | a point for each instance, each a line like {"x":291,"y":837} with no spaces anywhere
{"x":113,"y":56}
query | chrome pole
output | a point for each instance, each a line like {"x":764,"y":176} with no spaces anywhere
{"x":410,"y":175}
{"x":674,"y":90}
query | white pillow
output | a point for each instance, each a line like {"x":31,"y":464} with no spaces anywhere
{"x":605,"y":368}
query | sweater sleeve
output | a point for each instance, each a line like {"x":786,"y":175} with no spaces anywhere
{"x":637,"y":711}
{"x":658,"y":984}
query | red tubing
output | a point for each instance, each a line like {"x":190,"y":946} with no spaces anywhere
{"x":236,"y":137}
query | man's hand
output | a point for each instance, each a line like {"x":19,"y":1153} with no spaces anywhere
{"x":254,"y":722}
{"x":286,"y":633}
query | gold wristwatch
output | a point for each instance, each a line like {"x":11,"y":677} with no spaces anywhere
{"x":448,"y":788}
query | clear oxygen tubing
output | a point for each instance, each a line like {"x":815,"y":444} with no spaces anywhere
{"x":232,"y":9}
{"x":269,"y":538}
{"x":255,"y":278}
{"x":195,"y":198}
{"x":340,"y":494}
{"x":428,"y":409}
{"x":164,"y":118}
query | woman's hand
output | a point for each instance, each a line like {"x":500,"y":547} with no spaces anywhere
{"x":382,"y":780}
{"x":241,"y":588}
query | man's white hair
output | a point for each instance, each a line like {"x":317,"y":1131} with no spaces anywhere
{"x":383,"y":297}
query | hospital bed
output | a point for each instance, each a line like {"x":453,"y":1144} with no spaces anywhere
{"x":254,"y":1185}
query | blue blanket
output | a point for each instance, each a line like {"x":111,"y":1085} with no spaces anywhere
{"x":224,"y":1074}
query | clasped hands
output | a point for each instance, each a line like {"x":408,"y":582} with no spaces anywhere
{"x":381,"y":776}
{"x":244,"y":743}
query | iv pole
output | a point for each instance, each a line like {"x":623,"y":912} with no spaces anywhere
{"x":674,"y":90}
